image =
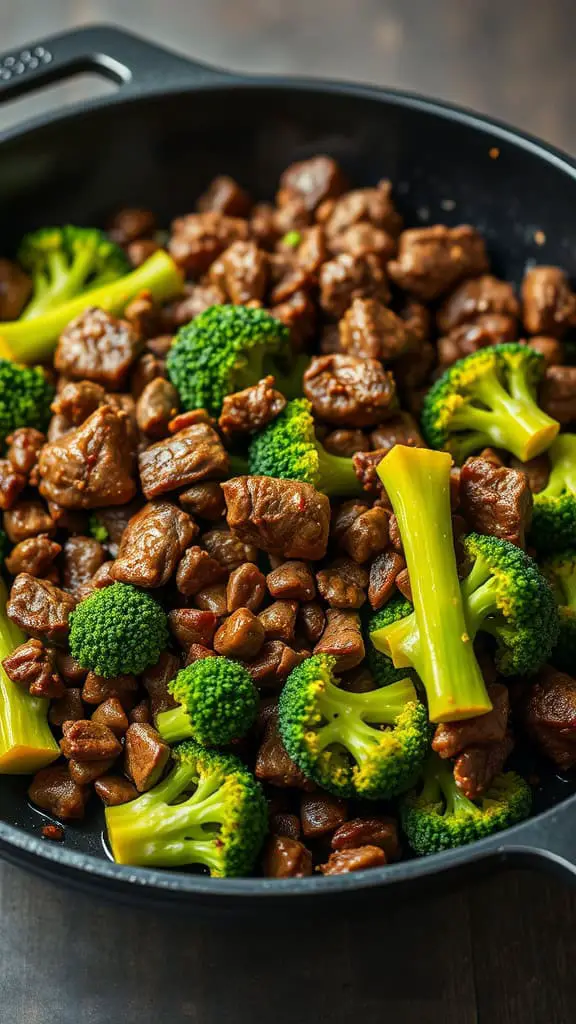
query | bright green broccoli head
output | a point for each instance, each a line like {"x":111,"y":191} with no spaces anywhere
{"x":118,"y":630}
{"x":218,"y":703}
{"x":381,"y":665}
{"x":209,"y":811}
{"x":560,"y":571}
{"x":25,"y":398}
{"x":65,"y":262}
{"x":554,"y":514}
{"x":437,"y":816}
{"x":223,"y":350}
{"x":289,"y":450}
{"x":488,"y":398}
{"x":366,"y":745}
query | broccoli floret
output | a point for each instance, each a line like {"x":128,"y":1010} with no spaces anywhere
{"x":226,"y":349}
{"x":65,"y":262}
{"x":97,"y":529}
{"x":560,"y":570}
{"x":209,"y":810}
{"x":118,"y":630}
{"x":381,"y":665}
{"x":33,"y":340}
{"x":336,"y":737}
{"x":289,"y":450}
{"x":554,"y":514}
{"x":25,"y":397}
{"x":26,"y":743}
{"x":488,"y":398}
{"x":435,"y":640}
{"x":437,"y":816}
{"x":218,"y":703}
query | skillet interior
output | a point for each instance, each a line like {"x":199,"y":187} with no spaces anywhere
{"x":161,"y":151}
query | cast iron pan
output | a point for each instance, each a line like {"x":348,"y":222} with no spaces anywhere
{"x":170,"y":127}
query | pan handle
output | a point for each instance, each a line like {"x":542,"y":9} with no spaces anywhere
{"x":135,"y":64}
{"x":548,"y":840}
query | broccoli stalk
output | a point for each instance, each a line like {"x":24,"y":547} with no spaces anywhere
{"x":33,"y":340}
{"x":554,"y":514}
{"x":26,"y":743}
{"x":217,"y":703}
{"x":436,"y":641}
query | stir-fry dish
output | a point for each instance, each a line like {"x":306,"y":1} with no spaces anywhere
{"x":288,"y":502}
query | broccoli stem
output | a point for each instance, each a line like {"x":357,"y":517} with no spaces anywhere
{"x":336,"y":475}
{"x":174,"y":724}
{"x":65,"y":282}
{"x":30,"y":341}
{"x":417,"y":481}
{"x":347,"y":714}
{"x":26,"y":742}
{"x":562,"y":453}
{"x":455,"y":800}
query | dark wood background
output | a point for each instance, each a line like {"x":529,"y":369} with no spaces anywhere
{"x":501,"y":951}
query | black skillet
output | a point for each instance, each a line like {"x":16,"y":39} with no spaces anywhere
{"x":170,"y":127}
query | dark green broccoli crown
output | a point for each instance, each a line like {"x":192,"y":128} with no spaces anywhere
{"x":381,"y":665}
{"x":554,"y":514}
{"x":506,"y":595}
{"x":118,"y":630}
{"x":437,"y":816}
{"x":337,"y":738}
{"x":560,"y":571}
{"x":223,"y":350}
{"x":218,"y":699}
{"x":25,"y":398}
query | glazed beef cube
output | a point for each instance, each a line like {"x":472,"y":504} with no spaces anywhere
{"x":250,"y":410}
{"x":311,"y":181}
{"x":548,"y":302}
{"x":188,"y":457}
{"x":343,"y":584}
{"x":98,"y":689}
{"x":400,"y":429}
{"x":348,"y":277}
{"x":77,"y":400}
{"x":363,"y":239}
{"x":475,"y":298}
{"x":70,"y":670}
{"x":53,"y":790}
{"x":373,"y":831}
{"x":280,"y":516}
{"x":273,"y":765}
{"x":365,"y":466}
{"x":213,"y":599}
{"x":279,"y":620}
{"x":146,"y":755}
{"x":246,"y":588}
{"x":367,"y":536}
{"x":146,"y":369}
{"x":224,"y":195}
{"x":549,"y":712}
{"x":85,"y":772}
{"x":23,"y":447}
{"x":83,"y":556}
{"x":33,"y":666}
{"x":346,"y":442}
{"x":495,"y":500}
{"x":12,"y":484}
{"x":111,"y":713}
{"x":491,"y":329}
{"x":343,"y":861}
{"x":362,"y":205}
{"x":298,"y":314}
{"x":40,"y":609}
{"x":27,"y":519}
{"x":205,"y":500}
{"x":349,"y":391}
{"x":153,"y":544}
{"x":292,"y":581}
{"x":130,"y":224}
{"x":475,"y":767}
{"x":342,"y":638}
{"x":432,"y":260}
{"x":240,"y":636}
{"x":68,"y":708}
{"x":273,"y":664}
{"x":97,"y":347}
{"x":15,"y":290}
{"x":311,"y":620}
{"x":384,"y":572}
{"x":114,"y":790}
{"x":451,"y":738}
{"x":369,"y":330}
{"x":285,"y":824}
{"x":197,"y":570}
{"x":285,"y":857}
{"x":321,"y":813}
{"x":197,"y":298}
{"x":89,"y":741}
{"x":35,"y":556}
{"x":199,"y":238}
{"x":558,"y":393}
{"x":155,"y":681}
{"x":244,"y":272}
{"x":156,"y":406}
{"x":192,"y":626}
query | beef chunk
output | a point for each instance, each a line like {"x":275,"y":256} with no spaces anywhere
{"x":384,"y":572}
{"x":273,"y":664}
{"x":197,"y":570}
{"x":370,"y":330}
{"x":227,"y":549}
{"x":153,"y":544}
{"x":224,"y":195}
{"x":90,"y":467}
{"x":365,"y":466}
{"x":311,"y":620}
{"x":280,"y":516}
{"x":548,"y":302}
{"x":474,"y":298}
{"x":83,"y":556}
{"x":549,"y":709}
{"x":273,"y":764}
{"x":85,"y":772}
{"x":292,"y":581}
{"x":193,"y":454}
{"x":343,"y":861}
{"x":362,"y":239}
{"x":146,"y":755}
{"x":432,"y":260}
{"x":156,"y":406}
{"x":374,"y":831}
{"x":284,"y":824}
{"x":298,"y":314}
{"x":199,"y":238}
{"x":40,"y":609}
{"x":115,"y":520}
{"x":15,"y":290}
{"x":240,"y":636}
{"x":343,"y":584}
{"x":311,"y":181}
{"x":244,"y":272}
{"x":205,"y":500}
{"x":97,"y":347}
{"x":491,"y":329}
{"x":148,"y":368}
{"x":551,"y":348}
{"x":346,"y":442}
{"x":363,"y":205}
{"x":12,"y":484}
{"x":23,"y":447}
{"x":27,"y":519}
{"x":367,"y":536}
{"x":246,"y":588}
{"x":279,"y":620}
{"x":349,"y":391}
{"x":114,"y":790}
{"x":77,"y":400}
{"x":155,"y":681}
{"x":252,"y":409}
{"x":71,"y":670}
{"x":558,"y":393}
{"x":451,"y":738}
{"x":536,"y":471}
{"x":130,"y":224}
{"x":197,"y":298}
{"x":54,"y":791}
{"x":342,"y":638}
{"x":33,"y":666}
{"x":89,"y":741}
{"x":285,"y":857}
{"x":35,"y":556}
{"x":348,"y":277}
{"x":112,"y":714}
{"x":495,"y":500}
{"x":321,"y":813}
{"x":98,"y":689}
{"x":475,"y":767}
{"x":192,"y":626}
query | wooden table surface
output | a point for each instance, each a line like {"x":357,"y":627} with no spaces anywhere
{"x":501,"y":951}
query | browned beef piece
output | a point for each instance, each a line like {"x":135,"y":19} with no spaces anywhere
{"x":475,"y":298}
{"x":362,"y":239}
{"x":311,"y":181}
{"x":147,"y":368}
{"x":363,"y":205}
{"x":240,"y":636}
{"x":68,"y":708}
{"x":476,"y":767}
{"x":383,"y":574}
{"x":342,"y":638}
{"x":146,"y":755}
{"x":33,"y":666}
{"x":85,"y":772}
{"x":273,"y":764}
{"x":341,"y":862}
{"x":27,"y":519}
{"x":273,"y":664}
{"x":451,"y":738}
{"x":12,"y":484}
{"x":189,"y":419}
{"x":83,"y":556}
{"x":292,"y":581}
{"x":227,"y":549}
{"x":263,"y":225}
{"x":321,"y":813}
{"x":205,"y":500}
{"x":549,"y":711}
{"x":71,"y":671}
{"x":91,"y":466}
{"x":346,"y":442}
{"x":462,"y":341}
{"x":156,"y":406}
{"x":199,"y":238}
{"x":548,"y":302}
{"x":365,"y":466}
{"x":112,"y":714}
{"x":432,"y":260}
{"x":15,"y":290}
{"x":346,"y":278}
{"x":97,"y":689}
{"x":213,"y":599}
{"x":246,"y":588}
{"x":348,"y":391}
{"x":224,"y":195}
{"x":35,"y":556}
{"x":77,"y":400}
{"x":141,"y":712}
{"x":311,"y":620}
{"x":196,"y":570}
{"x":298,"y":313}
{"x":54,"y":791}
{"x":280,"y":516}
{"x":536,"y":471}
{"x":101,"y":578}
{"x":367,"y":536}
{"x":344,"y":516}
{"x":23,"y":447}
{"x":343,"y":584}
{"x":370,"y":330}
{"x":145,"y":315}
{"x":285,"y":857}
{"x":155,"y":681}
{"x":279,"y":620}
{"x":89,"y":741}
{"x":495,"y":500}
{"x":141,"y":250}
{"x":558,"y":393}
{"x":244,"y":272}
{"x":192,"y":626}
{"x":403,"y":584}
{"x":252,"y":409}
{"x":114,"y":790}
{"x":97,"y":347}
{"x":284,"y":824}
{"x":40,"y":609}
{"x":374,"y":831}
{"x":188,"y":457}
{"x":551,"y":348}
{"x":197,"y":298}
{"x":153,"y":544}
{"x":115,"y":520}
{"x":395,"y":536}
{"x":130,"y":224}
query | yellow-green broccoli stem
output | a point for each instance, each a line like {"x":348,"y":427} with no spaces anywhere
{"x":337,"y":477}
{"x":26,"y":743}
{"x":417,"y":481}
{"x":30,"y":341}
{"x":562,"y":479}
